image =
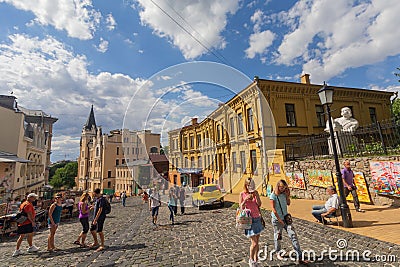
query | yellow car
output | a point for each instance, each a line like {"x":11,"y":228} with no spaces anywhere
{"x":207,"y":195}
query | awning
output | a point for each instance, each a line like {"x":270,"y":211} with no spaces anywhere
{"x":8,"y":157}
{"x":190,"y":170}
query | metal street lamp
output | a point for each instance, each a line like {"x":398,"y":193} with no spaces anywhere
{"x":326,"y":96}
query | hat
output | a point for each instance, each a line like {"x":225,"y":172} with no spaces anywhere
{"x":32,"y":195}
{"x":252,"y":185}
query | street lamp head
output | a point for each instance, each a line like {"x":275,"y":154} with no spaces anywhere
{"x":326,"y":95}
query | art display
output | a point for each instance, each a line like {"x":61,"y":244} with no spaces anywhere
{"x":386,"y":177}
{"x":277,"y":168}
{"x":320,"y":178}
{"x":295,"y":180}
{"x":362,"y":188}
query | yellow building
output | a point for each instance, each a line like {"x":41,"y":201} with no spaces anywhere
{"x":101,"y":155}
{"x":26,"y":134}
{"x":228,"y":144}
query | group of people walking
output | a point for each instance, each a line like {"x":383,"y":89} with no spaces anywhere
{"x":28,"y":227}
{"x":281,"y":219}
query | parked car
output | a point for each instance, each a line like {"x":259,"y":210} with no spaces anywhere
{"x":207,"y":195}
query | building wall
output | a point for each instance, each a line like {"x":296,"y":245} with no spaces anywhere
{"x":224,"y":145}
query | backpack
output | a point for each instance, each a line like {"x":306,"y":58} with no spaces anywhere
{"x":21,"y":216}
{"x":107,"y":206}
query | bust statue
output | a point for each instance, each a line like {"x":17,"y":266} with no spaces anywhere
{"x":348,"y":124}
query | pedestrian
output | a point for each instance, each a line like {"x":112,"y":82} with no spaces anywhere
{"x":27,"y":227}
{"x":145,"y":197}
{"x":53,"y":221}
{"x":182,"y":196}
{"x":84,"y":209}
{"x":250,"y":199}
{"x":349,"y":186}
{"x":154,"y":204}
{"x":171,"y":205}
{"x":280,"y":200}
{"x":98,"y":221}
{"x":123,"y":198}
{"x":69,"y":205}
{"x":175,"y":194}
{"x":111,"y":197}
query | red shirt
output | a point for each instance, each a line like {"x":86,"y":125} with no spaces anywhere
{"x":27,"y":207}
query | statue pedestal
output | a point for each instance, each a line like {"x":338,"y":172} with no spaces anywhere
{"x":345,"y":143}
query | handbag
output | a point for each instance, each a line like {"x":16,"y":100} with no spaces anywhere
{"x":21,"y":216}
{"x":243,"y":219}
{"x":261,"y":218}
{"x":286,"y":218}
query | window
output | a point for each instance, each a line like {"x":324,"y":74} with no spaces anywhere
{"x":191,"y":141}
{"x":127,"y":150}
{"x":253,"y":156}
{"x":97,"y":151}
{"x":117,"y":150}
{"x":117,"y":162}
{"x":198,"y":140}
{"x":123,"y":161}
{"x":240,"y":123}
{"x":319,"y":109}
{"x":290,"y":115}
{"x":243,"y":161}
{"x":153,"y":150}
{"x":234,"y":161}
{"x":199,"y":162}
{"x":232,"y":126}
{"x":250,"y":122}
{"x":218,"y":132}
{"x":185,"y":143}
{"x":372,"y":115}
{"x":192,"y":165}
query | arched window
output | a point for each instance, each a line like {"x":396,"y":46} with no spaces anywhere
{"x":154,"y":150}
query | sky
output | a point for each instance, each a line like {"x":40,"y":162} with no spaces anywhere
{"x":154,"y":64}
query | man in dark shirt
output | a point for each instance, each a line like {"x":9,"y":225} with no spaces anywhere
{"x":98,"y":220}
{"x":349,"y":186}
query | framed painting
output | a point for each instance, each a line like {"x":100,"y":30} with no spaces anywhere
{"x":386,"y":177}
{"x":320,"y":178}
{"x":296,"y":180}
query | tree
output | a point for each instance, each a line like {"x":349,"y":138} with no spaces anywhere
{"x":397,"y":74}
{"x":396,"y":102}
{"x":65,"y":176}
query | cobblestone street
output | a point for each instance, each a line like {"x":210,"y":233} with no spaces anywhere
{"x":198,"y":238}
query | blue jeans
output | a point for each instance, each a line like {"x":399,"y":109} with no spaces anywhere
{"x":278,"y":227}
{"x":123,"y":201}
{"x":171,"y":215}
{"x":317,"y":211}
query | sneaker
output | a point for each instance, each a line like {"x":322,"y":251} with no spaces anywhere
{"x":17,"y":253}
{"x":252,"y":263}
{"x":360,"y":210}
{"x":33,"y":249}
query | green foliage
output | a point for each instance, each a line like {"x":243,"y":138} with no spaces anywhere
{"x":397,"y":74}
{"x":396,"y":107}
{"x":56,"y":166}
{"x":65,"y":176}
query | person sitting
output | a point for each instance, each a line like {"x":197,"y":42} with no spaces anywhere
{"x":331,"y":205}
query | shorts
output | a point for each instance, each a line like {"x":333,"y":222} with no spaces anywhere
{"x":256,"y":227}
{"x":99,"y":226}
{"x":25,"y":229}
{"x":154,"y":211}
{"x":85,"y":224}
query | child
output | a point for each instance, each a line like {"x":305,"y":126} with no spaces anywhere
{"x":53,"y":221}
{"x":145,"y":197}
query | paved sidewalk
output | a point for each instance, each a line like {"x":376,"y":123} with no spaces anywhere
{"x":380,"y":222}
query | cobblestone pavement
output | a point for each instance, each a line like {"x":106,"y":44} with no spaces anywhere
{"x":198,"y":238}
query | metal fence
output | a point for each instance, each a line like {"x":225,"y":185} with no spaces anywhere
{"x":381,"y":138}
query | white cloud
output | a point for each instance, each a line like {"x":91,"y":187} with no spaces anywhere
{"x":329,"y":37}
{"x":259,"y":42}
{"x":77,"y":18}
{"x":205,"y":20}
{"x":45,"y":74}
{"x":111,"y":23}
{"x":103,"y":46}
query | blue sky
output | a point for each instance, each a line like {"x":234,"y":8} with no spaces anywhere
{"x":63,"y":56}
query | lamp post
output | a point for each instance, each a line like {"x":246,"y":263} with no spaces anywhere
{"x":326,"y":96}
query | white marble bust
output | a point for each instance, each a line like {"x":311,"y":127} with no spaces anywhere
{"x":347,"y":122}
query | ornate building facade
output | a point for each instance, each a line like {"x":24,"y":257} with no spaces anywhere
{"x":228,"y":145}
{"x":25,"y":140}
{"x":104,"y":159}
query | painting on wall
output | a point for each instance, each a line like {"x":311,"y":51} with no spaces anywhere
{"x":277,"y":168}
{"x":386,"y":177}
{"x":296,"y":180}
{"x":320,"y":178}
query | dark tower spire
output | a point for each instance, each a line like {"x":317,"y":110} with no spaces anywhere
{"x":91,"y":122}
